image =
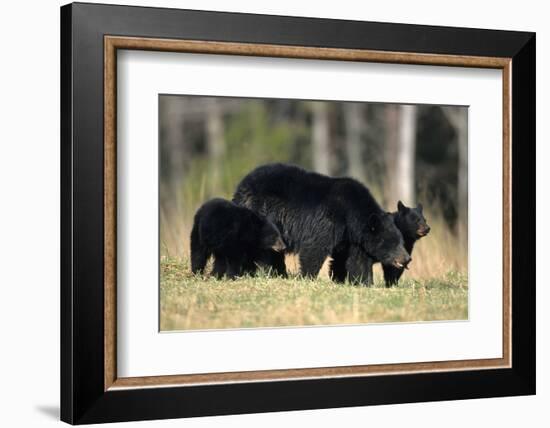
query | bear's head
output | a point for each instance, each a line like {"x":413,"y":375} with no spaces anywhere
{"x":271,"y":237}
{"x":383,"y":241}
{"x":411,"y":221}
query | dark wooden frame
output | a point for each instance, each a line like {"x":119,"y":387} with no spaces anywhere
{"x":90,"y":35}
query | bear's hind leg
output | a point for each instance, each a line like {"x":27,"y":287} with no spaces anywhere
{"x":220,"y":266}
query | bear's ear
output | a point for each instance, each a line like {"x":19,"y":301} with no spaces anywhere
{"x":374,"y":223}
{"x":400,"y":206}
{"x":419,"y":207}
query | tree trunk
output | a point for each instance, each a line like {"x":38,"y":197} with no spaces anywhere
{"x":320,"y":138}
{"x":172,"y":115}
{"x":391,"y":122}
{"x":462,"y":134}
{"x":406,"y":155}
{"x":354,"y":129}
{"x":215,"y":141}
{"x":459,"y":121}
{"x":400,"y":152}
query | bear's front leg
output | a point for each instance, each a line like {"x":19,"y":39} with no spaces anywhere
{"x":311,"y":260}
{"x":249,"y":266}
{"x":235,"y":265}
{"x":273,"y":260}
{"x":392,"y":274}
{"x":359,"y":266}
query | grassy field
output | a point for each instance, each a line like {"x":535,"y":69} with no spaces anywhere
{"x":190,"y":302}
{"x":435,"y":288}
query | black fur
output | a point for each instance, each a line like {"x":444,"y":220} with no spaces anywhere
{"x":234,"y":235}
{"x":355,"y":263}
{"x":320,"y":216}
{"x":412,"y":224}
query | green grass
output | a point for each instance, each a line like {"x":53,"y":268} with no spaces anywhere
{"x":190,"y":302}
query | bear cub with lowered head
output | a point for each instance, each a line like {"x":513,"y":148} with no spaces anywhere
{"x":236,"y":236}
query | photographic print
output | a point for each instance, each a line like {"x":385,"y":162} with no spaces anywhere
{"x":339,"y":185}
{"x":283,"y":212}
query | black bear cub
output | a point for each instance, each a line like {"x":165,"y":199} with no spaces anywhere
{"x":234,"y":235}
{"x":412,"y":225}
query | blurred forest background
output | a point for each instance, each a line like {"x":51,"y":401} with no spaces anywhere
{"x":413,"y":153}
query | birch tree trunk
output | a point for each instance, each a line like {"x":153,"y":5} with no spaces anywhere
{"x":320,"y":138}
{"x":400,"y":155}
{"x":458,"y":118}
{"x":406,"y":155}
{"x":354,"y":130}
{"x":215,"y":141}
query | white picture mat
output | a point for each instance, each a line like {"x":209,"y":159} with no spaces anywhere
{"x":143,"y":351}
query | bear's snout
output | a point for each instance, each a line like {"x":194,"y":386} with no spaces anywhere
{"x":402,"y":262}
{"x":423,"y":231}
{"x":279,"y":245}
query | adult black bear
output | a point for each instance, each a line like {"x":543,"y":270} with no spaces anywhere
{"x":320,"y":216}
{"x":412,"y":225}
{"x":234,"y":235}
